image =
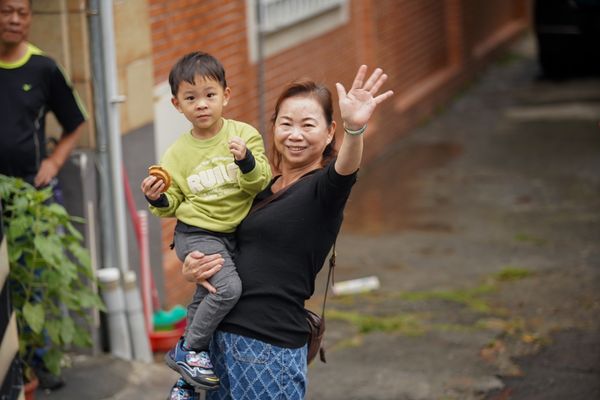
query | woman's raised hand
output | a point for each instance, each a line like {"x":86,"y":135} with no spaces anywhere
{"x":357,"y":105}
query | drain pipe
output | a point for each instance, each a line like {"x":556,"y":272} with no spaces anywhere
{"x":109,"y":276}
{"x":114,"y":130}
{"x":260,"y":67}
{"x":107,"y":215}
{"x":120,"y":308}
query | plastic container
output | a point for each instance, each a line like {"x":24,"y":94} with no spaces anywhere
{"x":163,"y":341}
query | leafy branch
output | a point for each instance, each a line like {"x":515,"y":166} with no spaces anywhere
{"x":52,"y":281}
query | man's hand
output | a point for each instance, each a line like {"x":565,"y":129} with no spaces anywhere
{"x":48,"y":170}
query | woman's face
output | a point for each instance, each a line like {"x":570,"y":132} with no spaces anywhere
{"x":301,"y":132}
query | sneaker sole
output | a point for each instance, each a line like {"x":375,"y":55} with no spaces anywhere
{"x":188,"y":378}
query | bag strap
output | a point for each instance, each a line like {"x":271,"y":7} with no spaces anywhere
{"x":330,"y":278}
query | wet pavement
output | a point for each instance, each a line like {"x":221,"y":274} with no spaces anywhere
{"x":483,"y":227}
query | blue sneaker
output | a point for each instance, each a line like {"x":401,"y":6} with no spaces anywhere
{"x":182,"y":390}
{"x":194,"y":368}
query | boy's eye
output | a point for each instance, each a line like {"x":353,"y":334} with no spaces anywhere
{"x":212,"y":94}
{"x":189,"y":98}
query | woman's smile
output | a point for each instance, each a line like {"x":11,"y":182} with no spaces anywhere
{"x":296,"y":149}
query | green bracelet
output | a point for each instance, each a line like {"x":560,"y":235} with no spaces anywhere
{"x":357,"y":132}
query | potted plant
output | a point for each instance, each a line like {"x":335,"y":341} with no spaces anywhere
{"x":51,"y":280}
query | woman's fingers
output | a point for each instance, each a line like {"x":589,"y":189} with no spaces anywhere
{"x":360,"y":77}
{"x":201,"y":267}
{"x":384,"y":96}
{"x":373,"y":80}
{"x":209,"y":287}
{"x":341,"y":91}
{"x":378,"y":83}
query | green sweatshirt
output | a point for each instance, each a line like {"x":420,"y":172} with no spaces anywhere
{"x":208,"y":190}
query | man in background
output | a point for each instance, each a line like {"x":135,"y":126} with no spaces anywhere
{"x":31,"y":85}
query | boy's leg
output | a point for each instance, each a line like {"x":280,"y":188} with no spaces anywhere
{"x":214,"y":306}
{"x":205,"y":311}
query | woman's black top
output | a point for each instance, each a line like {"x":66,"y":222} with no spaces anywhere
{"x":281,"y":247}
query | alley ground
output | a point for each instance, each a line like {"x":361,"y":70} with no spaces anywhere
{"x":483,"y":226}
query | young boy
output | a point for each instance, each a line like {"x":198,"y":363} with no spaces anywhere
{"x":210,"y":193}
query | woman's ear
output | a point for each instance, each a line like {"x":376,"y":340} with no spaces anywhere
{"x":331,"y":132}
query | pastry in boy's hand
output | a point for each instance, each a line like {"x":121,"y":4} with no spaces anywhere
{"x":162,"y":174}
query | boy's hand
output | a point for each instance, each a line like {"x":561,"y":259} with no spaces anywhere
{"x":237,"y":147}
{"x":152,"y":187}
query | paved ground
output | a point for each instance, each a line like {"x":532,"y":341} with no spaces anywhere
{"x":483,"y":226}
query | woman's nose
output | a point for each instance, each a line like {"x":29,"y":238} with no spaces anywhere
{"x":295,"y":133}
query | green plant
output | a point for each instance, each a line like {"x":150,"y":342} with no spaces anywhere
{"x":51,"y":278}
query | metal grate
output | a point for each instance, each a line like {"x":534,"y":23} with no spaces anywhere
{"x":279,"y":14}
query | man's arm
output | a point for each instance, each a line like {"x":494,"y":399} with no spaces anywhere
{"x":50,"y":166}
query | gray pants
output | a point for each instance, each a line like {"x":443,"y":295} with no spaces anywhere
{"x":206,"y":310}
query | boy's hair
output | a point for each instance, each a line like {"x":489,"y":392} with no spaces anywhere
{"x":196,"y":63}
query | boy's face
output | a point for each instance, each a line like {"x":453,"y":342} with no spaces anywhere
{"x":202,"y":104}
{"x":15,"y":19}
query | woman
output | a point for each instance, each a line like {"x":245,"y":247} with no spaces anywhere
{"x":259,"y":350}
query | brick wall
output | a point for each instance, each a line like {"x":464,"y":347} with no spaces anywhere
{"x":430,"y":48}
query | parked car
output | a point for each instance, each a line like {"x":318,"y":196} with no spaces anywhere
{"x":568,"y":36}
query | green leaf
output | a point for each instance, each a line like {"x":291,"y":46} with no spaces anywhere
{"x":68,"y":270}
{"x":50,"y":249}
{"x":82,"y":256}
{"x":34,"y":315}
{"x":89,"y":300}
{"x":53,"y":330}
{"x":82,"y":337}
{"x":58,"y":210}
{"x":74,"y":232}
{"x":67,"y":330}
{"x":14,"y":254}
{"x":52,"y":359}
{"x":19,"y":226}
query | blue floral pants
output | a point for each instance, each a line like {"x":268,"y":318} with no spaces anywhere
{"x":250,"y":369}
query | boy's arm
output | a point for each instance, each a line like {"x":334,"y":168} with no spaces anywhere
{"x":255,"y":169}
{"x":168,"y":202}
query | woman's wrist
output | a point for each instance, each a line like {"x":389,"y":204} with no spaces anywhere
{"x":355,"y":132}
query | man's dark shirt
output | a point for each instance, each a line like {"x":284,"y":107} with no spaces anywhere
{"x":29,"y":88}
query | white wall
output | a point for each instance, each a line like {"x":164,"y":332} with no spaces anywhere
{"x":169,"y":123}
